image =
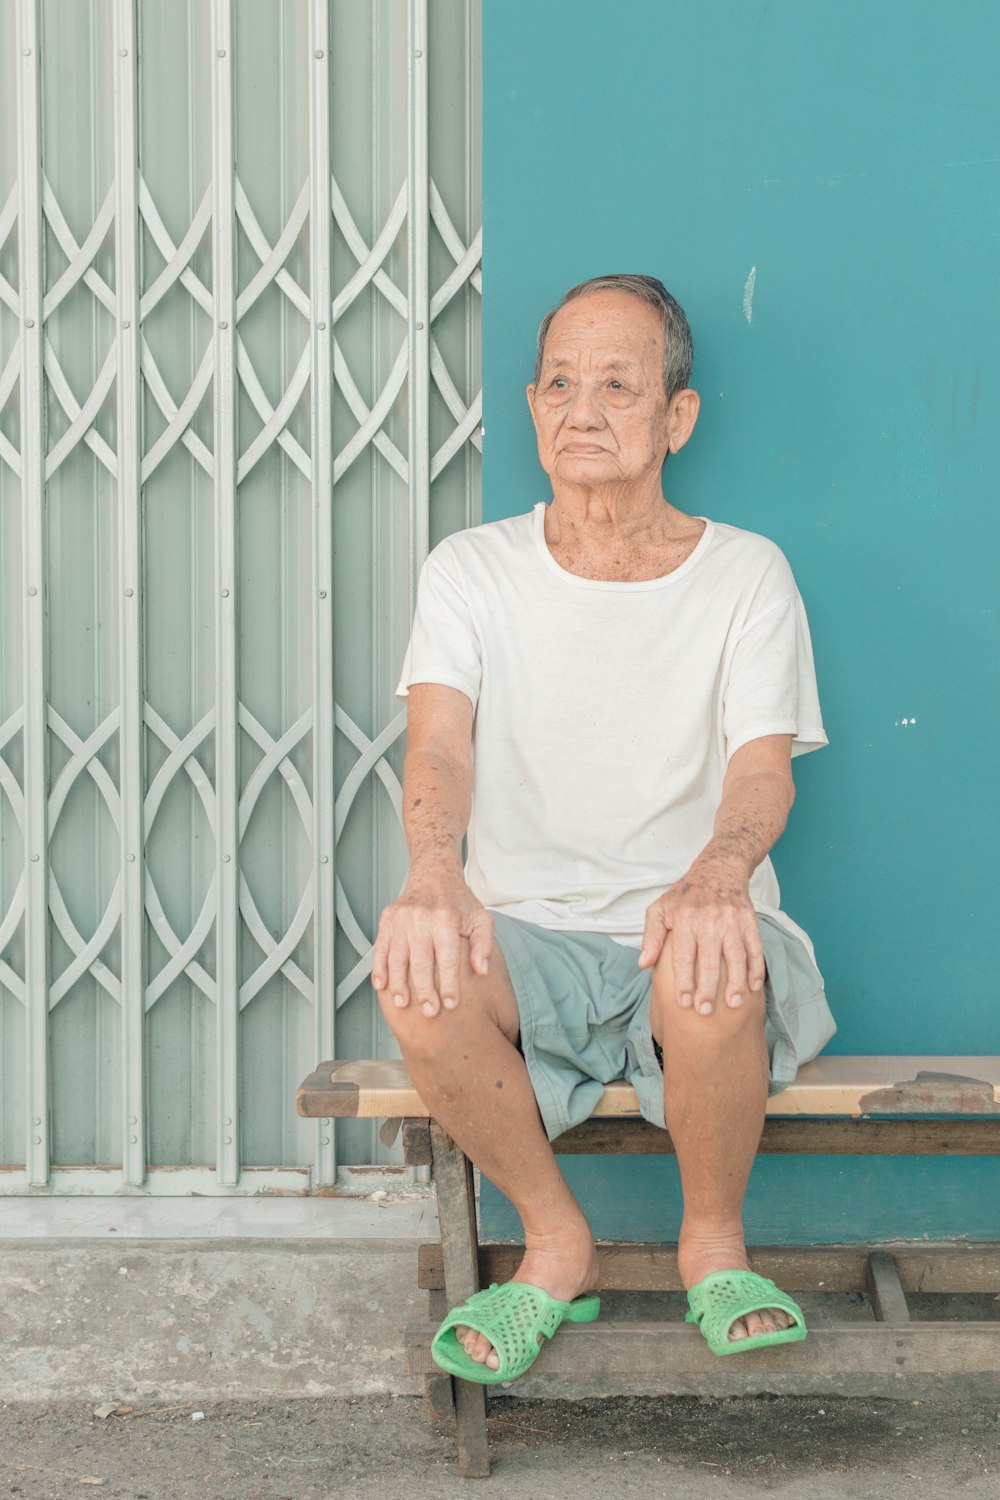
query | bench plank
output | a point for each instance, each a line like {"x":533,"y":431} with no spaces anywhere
{"x":802,"y":1134}
{"x":364,"y":1089}
{"x":630,"y":1349}
{"x":822,"y":1268}
{"x":797,"y":1135}
{"x":381,"y":1089}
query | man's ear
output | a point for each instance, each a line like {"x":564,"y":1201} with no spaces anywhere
{"x":683,"y":415}
{"x":530,"y":393}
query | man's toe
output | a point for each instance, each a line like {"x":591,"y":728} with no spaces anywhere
{"x":484,"y":1349}
{"x":484,"y":1353}
{"x":771,"y":1320}
{"x":478,"y":1347}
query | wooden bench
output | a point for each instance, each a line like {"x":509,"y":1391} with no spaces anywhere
{"x":942,"y":1106}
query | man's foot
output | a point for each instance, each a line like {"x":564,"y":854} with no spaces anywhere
{"x":698,"y":1258}
{"x":564,"y":1271}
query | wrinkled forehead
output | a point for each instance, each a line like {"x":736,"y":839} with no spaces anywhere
{"x":612,"y":329}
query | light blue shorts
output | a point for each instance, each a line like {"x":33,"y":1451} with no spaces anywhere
{"x":584,"y":1009}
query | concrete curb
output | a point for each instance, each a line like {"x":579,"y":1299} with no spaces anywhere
{"x":206,"y":1319}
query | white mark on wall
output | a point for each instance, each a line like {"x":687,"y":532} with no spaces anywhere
{"x":905,"y":723}
{"x":748,"y":287}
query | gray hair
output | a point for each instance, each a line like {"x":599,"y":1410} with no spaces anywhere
{"x":678,"y":354}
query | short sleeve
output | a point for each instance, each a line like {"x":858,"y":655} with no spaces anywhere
{"x":771,"y":686}
{"x":444,"y":644}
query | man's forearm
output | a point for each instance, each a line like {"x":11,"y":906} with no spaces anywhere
{"x":437,"y":802}
{"x":750,"y":820}
{"x":418,"y":947}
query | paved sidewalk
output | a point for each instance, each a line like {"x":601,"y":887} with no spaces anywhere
{"x":791,"y":1448}
{"x":209,"y":1298}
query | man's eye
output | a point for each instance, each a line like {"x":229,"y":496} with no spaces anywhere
{"x":616,"y":385}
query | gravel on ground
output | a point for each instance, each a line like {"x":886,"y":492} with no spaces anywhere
{"x":698,"y":1448}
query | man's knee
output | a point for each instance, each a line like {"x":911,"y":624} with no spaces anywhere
{"x":668,"y":1015}
{"x":417,"y":1034}
{"x":488,"y":999}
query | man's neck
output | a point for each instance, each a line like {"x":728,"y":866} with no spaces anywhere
{"x":618,"y":535}
{"x":625,"y":509}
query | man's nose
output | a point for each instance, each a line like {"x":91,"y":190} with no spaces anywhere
{"x":585,"y":410}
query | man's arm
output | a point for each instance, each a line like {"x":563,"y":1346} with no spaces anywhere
{"x":425,"y":926}
{"x":709,"y":911}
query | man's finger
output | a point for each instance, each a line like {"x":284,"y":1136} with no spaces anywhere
{"x":653,"y":937}
{"x":448,"y":952}
{"x":709,"y":965}
{"x":736,"y":969}
{"x":380,"y":969}
{"x":481,"y":943}
{"x":684,"y":955}
{"x":398,"y":969}
{"x":756,"y":965}
{"x":422,"y":978}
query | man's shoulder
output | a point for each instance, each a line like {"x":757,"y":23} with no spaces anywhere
{"x":481,"y":545}
{"x":739,"y":541}
{"x":748,"y":552}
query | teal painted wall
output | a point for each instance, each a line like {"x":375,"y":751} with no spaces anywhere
{"x":848,"y":154}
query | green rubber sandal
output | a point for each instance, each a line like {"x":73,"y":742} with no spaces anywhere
{"x":720,"y":1299}
{"x":511,"y":1316}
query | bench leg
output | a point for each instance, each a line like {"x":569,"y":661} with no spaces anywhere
{"x":460,"y":1253}
{"x":885,"y":1289}
{"x":439,"y":1397}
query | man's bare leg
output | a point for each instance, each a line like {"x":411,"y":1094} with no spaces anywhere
{"x":715,"y":1090}
{"x":471,"y":1076}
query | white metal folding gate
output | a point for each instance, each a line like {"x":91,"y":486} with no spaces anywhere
{"x":239,"y":399}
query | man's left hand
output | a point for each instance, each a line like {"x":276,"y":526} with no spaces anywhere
{"x":713,"y":922}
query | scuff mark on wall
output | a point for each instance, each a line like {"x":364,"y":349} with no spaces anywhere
{"x":748,"y":287}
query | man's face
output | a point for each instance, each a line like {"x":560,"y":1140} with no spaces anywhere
{"x":600,"y":409}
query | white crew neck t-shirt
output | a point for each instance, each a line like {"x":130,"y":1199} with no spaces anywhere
{"x":606,"y":713}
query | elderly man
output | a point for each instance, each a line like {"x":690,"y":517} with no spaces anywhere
{"x":605,"y":696}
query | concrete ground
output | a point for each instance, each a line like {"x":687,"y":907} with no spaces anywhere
{"x":156,"y":1301}
{"x":384,"y":1448}
{"x":281,"y":1323}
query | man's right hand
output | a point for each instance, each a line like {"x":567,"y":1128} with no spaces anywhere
{"x":418,"y":948}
